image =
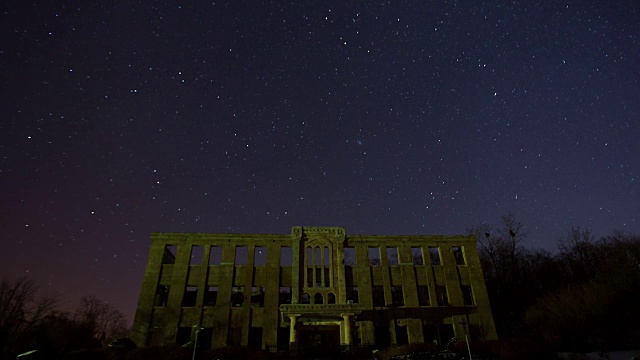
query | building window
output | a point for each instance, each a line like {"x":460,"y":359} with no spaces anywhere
{"x":237,"y":296}
{"x":318,"y":259}
{"x":255,"y":337}
{"x":162,"y":295}
{"x":374,"y":256}
{"x":402,"y":337}
{"x":189,"y":297}
{"x":423,"y":296}
{"x":183,"y":335}
{"x":349,"y":256}
{"x":416,"y":256}
{"x":397,"y":297}
{"x":327,"y":258}
{"x":309,"y":277}
{"x":309,"y":259}
{"x":441,"y":295}
{"x":467,"y":294}
{"x":286,"y":256}
{"x":377,"y":294}
{"x":392,"y":256}
{"x":434,"y":255}
{"x":318,"y":277}
{"x":305,"y":299}
{"x":284,"y":296}
{"x":169,"y":256}
{"x":196,"y":255}
{"x":318,"y":299}
{"x":260,"y":256}
{"x":211,"y":296}
{"x":234,"y":336}
{"x":331,"y":298}
{"x":257,"y":296}
{"x":457,"y":254}
{"x":242,"y":255}
{"x":215,"y":255}
{"x":352,"y":295}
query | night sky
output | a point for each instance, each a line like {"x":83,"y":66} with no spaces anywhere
{"x":122,"y":118}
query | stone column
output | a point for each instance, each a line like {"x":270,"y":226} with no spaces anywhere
{"x":347,"y":328}
{"x":292,"y":330}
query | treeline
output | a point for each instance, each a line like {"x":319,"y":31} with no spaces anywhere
{"x":582,"y":297}
{"x":30,"y":320}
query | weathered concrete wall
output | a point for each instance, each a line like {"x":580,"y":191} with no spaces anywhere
{"x":163,"y":318}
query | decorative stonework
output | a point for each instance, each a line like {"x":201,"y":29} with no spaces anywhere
{"x":421,"y":299}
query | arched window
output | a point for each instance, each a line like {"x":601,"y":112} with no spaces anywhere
{"x":305,"y":299}
{"x":331,"y":298}
{"x":326,"y":256}
{"x":318,"y":299}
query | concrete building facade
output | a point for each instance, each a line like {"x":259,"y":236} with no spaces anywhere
{"x":317,"y":287}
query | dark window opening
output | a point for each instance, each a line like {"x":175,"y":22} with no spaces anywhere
{"x":416,"y":256}
{"x":318,"y":259}
{"x":309,"y":277}
{"x":352,"y":295}
{"x":331,"y":298}
{"x":305,"y":299}
{"x":318,"y":277}
{"x":215,"y":255}
{"x":234,"y":336}
{"x":183,"y":335}
{"x":284,"y":296}
{"x":237,"y":296}
{"x":349,"y":256}
{"x":260,"y":256}
{"x":397,"y":297}
{"x":383,"y":339}
{"x":434,"y":255}
{"x":327,"y":258}
{"x":441,"y":294}
{"x":162,"y":295}
{"x":255,"y":337}
{"x":196,"y":255}
{"x":309,"y":259}
{"x":257,"y":296}
{"x":392,"y":256}
{"x":377,"y":293}
{"x":402,"y":337}
{"x":467,"y":295}
{"x":457,"y":253}
{"x":423,"y":296}
{"x":374,"y":256}
{"x":189,"y":297}
{"x":242,"y":255}
{"x":327,"y":278}
{"x":318,"y":299}
{"x":204,"y":338}
{"x":169,"y":256}
{"x":211,"y":296}
{"x":445,"y":332}
{"x":430,"y":333}
{"x":286,"y":256}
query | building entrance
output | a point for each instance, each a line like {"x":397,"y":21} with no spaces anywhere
{"x":319,"y":340}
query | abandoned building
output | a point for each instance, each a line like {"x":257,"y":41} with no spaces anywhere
{"x":317,"y":287}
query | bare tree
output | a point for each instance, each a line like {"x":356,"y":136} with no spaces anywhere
{"x":21,"y":310}
{"x":101,"y":318}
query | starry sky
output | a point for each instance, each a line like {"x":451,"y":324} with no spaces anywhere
{"x":123,"y":118}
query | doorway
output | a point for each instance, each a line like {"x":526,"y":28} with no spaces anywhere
{"x":319,"y":340}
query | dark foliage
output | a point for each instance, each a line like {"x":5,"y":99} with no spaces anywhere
{"x":581,"y":298}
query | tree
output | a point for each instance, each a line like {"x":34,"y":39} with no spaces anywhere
{"x":100,"y":318}
{"x":20,"y":312}
{"x":503,"y":262}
